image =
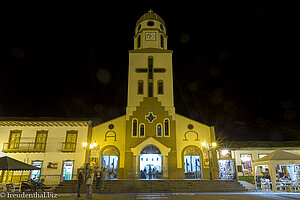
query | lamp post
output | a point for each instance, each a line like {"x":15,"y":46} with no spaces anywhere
{"x":209,"y":147}
{"x":89,"y":146}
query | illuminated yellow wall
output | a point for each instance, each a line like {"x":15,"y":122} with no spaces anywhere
{"x":100,"y":133}
{"x":192,"y":133}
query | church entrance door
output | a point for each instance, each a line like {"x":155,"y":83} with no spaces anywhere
{"x":109,"y":163}
{"x":150,"y":163}
{"x":192,"y":163}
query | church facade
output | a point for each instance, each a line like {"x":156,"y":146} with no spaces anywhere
{"x":151,"y":140}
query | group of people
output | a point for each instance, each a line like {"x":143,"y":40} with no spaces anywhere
{"x":87,"y":177}
{"x":150,"y":174}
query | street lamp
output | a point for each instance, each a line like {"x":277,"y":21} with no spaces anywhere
{"x":91,"y":146}
{"x":209,"y":147}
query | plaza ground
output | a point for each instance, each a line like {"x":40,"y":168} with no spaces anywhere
{"x":180,"y":196}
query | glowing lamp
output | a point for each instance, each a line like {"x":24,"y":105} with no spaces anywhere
{"x":84,"y":144}
{"x":203,"y":144}
{"x":213,"y":144}
{"x":224,"y":152}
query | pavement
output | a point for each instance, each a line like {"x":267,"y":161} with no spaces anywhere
{"x":159,"y":196}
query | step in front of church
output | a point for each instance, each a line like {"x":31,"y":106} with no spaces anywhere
{"x":137,"y":186}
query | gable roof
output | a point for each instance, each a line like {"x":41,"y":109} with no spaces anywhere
{"x":279,"y":157}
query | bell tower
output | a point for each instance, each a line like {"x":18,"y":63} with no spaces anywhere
{"x":150,"y":65}
{"x":150,"y":32}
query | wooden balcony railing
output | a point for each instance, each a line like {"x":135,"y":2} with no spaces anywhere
{"x":68,"y":147}
{"x":14,"y":147}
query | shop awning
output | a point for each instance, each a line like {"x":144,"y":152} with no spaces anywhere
{"x":278,"y":157}
{"x":7,"y":163}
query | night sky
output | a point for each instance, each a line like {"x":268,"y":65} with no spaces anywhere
{"x":233,"y":67}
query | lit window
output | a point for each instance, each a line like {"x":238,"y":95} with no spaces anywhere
{"x":159,"y":130}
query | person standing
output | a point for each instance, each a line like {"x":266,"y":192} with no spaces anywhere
{"x":98,"y":178}
{"x":80,"y":182}
{"x":145,"y":173}
{"x":150,"y":172}
{"x":153,"y":173}
{"x":89,"y":182}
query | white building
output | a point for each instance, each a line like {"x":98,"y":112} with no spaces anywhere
{"x":54,"y":145}
{"x":235,"y":158}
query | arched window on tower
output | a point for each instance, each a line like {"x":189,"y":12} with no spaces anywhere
{"x":134,"y":127}
{"x":167,"y":127}
{"x":139,"y":41}
{"x":160,"y":87}
{"x":161,"y":41}
{"x":142,"y":130}
{"x":140,"y":87}
{"x":159,"y":130}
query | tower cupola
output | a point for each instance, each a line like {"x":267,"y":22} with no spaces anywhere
{"x":150,"y":32}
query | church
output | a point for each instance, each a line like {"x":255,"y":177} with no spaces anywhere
{"x":151,"y":140}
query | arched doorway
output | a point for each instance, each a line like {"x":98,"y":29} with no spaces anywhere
{"x":109,"y":162}
{"x":150,"y":163}
{"x":192,"y":162}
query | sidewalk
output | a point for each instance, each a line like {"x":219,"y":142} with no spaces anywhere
{"x":174,"y":196}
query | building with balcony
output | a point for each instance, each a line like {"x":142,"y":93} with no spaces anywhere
{"x":54,"y":145}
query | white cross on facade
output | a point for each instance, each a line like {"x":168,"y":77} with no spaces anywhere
{"x":150,"y":11}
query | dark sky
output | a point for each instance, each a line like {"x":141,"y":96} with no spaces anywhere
{"x":235,"y":67}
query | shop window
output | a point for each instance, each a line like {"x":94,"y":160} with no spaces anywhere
{"x":35,"y":174}
{"x":246,"y":160}
{"x":68,"y":168}
{"x":226,"y":169}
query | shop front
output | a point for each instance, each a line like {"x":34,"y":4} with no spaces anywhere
{"x":226,"y":165}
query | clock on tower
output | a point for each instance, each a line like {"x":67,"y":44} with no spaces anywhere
{"x":150,"y":36}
